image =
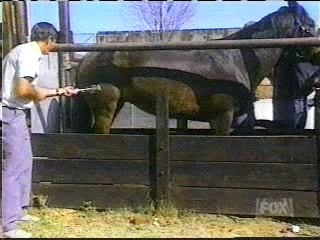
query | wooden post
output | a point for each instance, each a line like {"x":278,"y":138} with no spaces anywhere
{"x":317,"y":129}
{"x":317,"y":110}
{"x":161,"y":171}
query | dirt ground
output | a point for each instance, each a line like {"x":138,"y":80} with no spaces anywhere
{"x":142,"y":223}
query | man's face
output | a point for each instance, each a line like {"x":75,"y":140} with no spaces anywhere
{"x":49,"y":46}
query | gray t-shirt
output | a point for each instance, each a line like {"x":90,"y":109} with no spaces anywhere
{"x":22,"y":61}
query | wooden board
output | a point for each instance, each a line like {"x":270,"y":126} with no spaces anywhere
{"x":91,"y":171}
{"x":208,"y":200}
{"x":90,"y":146}
{"x":239,"y":132}
{"x":161,"y":170}
{"x":247,"y":201}
{"x":102,"y":196}
{"x":226,"y":175}
{"x":293,"y":149}
{"x":246,"y":175}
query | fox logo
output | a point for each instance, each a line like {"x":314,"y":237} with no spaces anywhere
{"x":280,"y":207}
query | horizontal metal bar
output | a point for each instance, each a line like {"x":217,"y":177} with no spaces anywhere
{"x":215,"y":44}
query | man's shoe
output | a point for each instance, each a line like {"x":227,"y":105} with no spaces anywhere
{"x":16,"y":233}
{"x":29,"y":218}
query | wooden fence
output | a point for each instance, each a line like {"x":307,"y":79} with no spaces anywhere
{"x":227,"y":175}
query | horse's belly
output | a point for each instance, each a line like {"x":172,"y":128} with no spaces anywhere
{"x":182,"y":98}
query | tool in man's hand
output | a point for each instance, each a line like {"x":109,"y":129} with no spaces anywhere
{"x":91,"y":89}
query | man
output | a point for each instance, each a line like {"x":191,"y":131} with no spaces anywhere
{"x":292,"y":79}
{"x":19,"y":92}
{"x":292,"y":84}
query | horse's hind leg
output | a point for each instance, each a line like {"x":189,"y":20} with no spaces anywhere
{"x":224,"y":109}
{"x":223,"y":122}
{"x":105,"y":108}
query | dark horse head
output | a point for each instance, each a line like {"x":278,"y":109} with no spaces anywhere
{"x":291,"y":21}
{"x":305,"y":28}
{"x":288,"y":22}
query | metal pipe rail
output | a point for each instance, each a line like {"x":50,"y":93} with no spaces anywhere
{"x":215,"y":44}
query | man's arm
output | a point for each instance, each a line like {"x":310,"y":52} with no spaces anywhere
{"x":24,"y":89}
{"x":28,"y":66}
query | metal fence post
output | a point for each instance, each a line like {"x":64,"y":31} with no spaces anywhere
{"x":64,"y":22}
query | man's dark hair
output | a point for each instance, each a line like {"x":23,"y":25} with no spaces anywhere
{"x":42,"y":31}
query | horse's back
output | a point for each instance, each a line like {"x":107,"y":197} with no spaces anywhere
{"x":209,"y":64}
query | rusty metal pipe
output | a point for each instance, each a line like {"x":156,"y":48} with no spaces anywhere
{"x":215,"y":44}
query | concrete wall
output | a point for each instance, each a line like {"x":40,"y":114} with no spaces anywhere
{"x":182,"y":35}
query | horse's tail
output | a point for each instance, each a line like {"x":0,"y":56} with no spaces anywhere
{"x":81,"y":115}
{"x":81,"y":120}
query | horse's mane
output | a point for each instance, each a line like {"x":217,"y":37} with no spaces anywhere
{"x":267,"y":21}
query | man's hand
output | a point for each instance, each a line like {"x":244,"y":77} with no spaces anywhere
{"x":66,"y":91}
{"x":25,"y":90}
{"x":69,"y":91}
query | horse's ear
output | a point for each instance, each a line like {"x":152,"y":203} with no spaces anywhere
{"x":293,"y":4}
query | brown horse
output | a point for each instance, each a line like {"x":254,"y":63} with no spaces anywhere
{"x":202,"y":85}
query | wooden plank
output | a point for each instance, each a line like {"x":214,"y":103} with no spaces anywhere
{"x":294,"y":149}
{"x":239,"y":132}
{"x":102,"y":196}
{"x":91,"y":171}
{"x":90,"y":146}
{"x":273,"y":132}
{"x":247,"y":201}
{"x":246,"y":175}
{"x":161,"y":171}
